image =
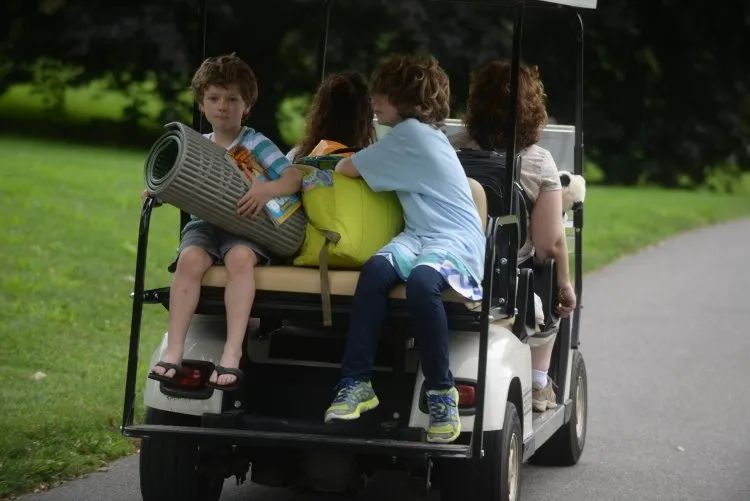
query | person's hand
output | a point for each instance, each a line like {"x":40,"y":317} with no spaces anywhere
{"x":255,"y":199}
{"x":567,"y":300}
{"x":147,"y":194}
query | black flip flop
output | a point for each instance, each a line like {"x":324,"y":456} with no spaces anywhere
{"x":220,"y":371}
{"x":178,"y":374}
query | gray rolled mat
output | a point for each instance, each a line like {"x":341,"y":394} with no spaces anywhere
{"x":194,"y":174}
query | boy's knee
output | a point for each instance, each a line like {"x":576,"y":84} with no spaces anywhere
{"x":424,"y":283}
{"x":377,"y":275}
{"x":376,"y":266}
{"x":193,"y":260}
{"x":240,"y":258}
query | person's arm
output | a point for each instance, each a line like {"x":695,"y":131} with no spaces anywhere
{"x":288,"y":180}
{"x":292,"y":153}
{"x":347,"y":168}
{"x":289,"y":183}
{"x":390,"y":164}
{"x":548,"y":233}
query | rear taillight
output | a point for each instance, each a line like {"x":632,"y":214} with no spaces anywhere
{"x":194,"y":378}
{"x":466,"y":395}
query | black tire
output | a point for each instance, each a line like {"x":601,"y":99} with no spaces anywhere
{"x":566,"y":445}
{"x":169,"y":468}
{"x":489,"y":479}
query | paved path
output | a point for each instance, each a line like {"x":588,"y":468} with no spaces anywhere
{"x":667,"y":345}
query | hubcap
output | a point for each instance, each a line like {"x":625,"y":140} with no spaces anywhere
{"x":513,"y":466}
{"x":580,"y":408}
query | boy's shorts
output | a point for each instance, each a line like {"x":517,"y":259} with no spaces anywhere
{"x":216,"y":242}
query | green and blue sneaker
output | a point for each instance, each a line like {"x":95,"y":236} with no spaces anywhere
{"x":445,"y":425}
{"x":353,"y":398}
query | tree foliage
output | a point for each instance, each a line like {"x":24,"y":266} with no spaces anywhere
{"x":667,"y":86}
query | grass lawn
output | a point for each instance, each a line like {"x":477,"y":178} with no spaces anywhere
{"x":69,"y":217}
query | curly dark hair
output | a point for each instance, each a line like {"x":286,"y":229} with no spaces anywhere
{"x":487,"y":107}
{"x":415,"y":85}
{"x":224,"y":71}
{"x":340,"y":111}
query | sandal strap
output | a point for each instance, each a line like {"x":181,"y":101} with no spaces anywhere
{"x":221,"y":371}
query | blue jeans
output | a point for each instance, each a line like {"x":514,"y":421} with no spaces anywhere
{"x":423,"y":295}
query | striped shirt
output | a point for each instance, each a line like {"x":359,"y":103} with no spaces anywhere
{"x":263,"y":149}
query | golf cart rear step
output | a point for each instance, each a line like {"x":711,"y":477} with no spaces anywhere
{"x":303,"y":441}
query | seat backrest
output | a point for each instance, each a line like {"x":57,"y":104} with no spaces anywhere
{"x":480,"y":199}
{"x":488,"y":169}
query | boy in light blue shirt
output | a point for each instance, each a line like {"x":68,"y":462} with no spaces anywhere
{"x":442,"y":244}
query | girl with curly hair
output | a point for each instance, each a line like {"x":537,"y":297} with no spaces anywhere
{"x":486,"y":122}
{"x":442,"y":246}
{"x":340,"y":111}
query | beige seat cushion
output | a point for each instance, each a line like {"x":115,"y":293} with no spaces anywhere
{"x":307,"y":281}
{"x":342,"y":282}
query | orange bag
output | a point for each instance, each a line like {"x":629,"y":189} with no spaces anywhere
{"x":325,"y":146}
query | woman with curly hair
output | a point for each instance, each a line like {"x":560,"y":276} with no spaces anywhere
{"x":340,"y":111}
{"x":486,"y":122}
{"x":441,"y":247}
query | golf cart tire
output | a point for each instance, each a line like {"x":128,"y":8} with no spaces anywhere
{"x":488,"y":480}
{"x":169,"y":468}
{"x":566,"y":445}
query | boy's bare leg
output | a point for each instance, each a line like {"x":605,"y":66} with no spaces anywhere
{"x":239,"y":294}
{"x":183,"y":299}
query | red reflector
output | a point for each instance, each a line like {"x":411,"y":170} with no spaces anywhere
{"x":466,"y":395}
{"x":193,"y":378}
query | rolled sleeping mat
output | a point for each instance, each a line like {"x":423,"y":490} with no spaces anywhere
{"x":191,"y":172}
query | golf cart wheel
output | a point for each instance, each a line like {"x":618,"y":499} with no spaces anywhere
{"x":169,"y":468}
{"x":496,"y":476}
{"x":566,"y":445}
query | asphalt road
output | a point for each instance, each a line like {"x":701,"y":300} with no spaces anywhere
{"x":666,"y":342}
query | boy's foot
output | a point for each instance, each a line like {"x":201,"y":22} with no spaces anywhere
{"x":227,"y":374}
{"x":543,"y":398}
{"x":167,"y":370}
{"x":353,"y":398}
{"x":445,"y":425}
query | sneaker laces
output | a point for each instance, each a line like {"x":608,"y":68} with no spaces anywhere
{"x":343,"y":389}
{"x":440,"y":405}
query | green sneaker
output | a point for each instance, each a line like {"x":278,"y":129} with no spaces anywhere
{"x":445,"y":425}
{"x":353,"y":398}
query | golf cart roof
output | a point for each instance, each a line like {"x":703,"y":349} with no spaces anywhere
{"x":581,"y":4}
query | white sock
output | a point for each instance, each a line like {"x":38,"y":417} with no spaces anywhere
{"x":538,"y":379}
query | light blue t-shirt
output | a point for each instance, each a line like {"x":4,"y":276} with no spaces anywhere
{"x":442,"y":225}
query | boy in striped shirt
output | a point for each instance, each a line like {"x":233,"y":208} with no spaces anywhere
{"x":225,"y":89}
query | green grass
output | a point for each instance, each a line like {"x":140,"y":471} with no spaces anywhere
{"x":620,"y":221}
{"x":69,"y":217}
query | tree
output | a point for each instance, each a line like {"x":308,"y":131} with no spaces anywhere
{"x":666,"y":90}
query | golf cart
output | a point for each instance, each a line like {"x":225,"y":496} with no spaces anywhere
{"x":195,"y":437}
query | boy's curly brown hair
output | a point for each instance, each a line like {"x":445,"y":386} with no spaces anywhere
{"x":415,"y":85}
{"x":224,"y":71}
{"x":340,"y":111}
{"x":487,"y":107}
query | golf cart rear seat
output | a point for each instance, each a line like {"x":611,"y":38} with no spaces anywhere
{"x":293,"y":279}
{"x":291,"y":291}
